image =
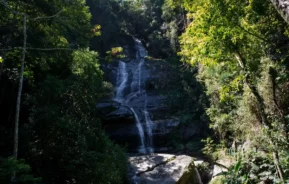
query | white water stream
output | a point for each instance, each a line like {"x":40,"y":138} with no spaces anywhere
{"x":136,"y":91}
{"x":122,"y":80}
{"x":148,"y":121}
{"x":142,"y":148}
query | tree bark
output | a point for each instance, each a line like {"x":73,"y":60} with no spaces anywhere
{"x":282,"y":6}
{"x":19,"y":94}
{"x":1,"y":69}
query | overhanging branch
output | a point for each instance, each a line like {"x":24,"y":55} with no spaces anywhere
{"x":48,"y":17}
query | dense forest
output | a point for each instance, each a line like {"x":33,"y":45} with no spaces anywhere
{"x":222,"y":66}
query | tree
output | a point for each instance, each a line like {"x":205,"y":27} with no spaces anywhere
{"x":21,"y":73}
{"x":227,"y":36}
{"x":65,"y":132}
{"x":56,"y":59}
{"x":16,"y":126}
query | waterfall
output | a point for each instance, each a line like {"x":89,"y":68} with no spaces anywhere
{"x":141,"y":132}
{"x":123,"y":77}
{"x":149,"y":132}
{"x":137,"y":91}
{"x":136,"y":85}
{"x":139,"y":73}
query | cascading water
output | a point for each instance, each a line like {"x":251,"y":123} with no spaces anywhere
{"x":136,"y":99}
{"x":123,"y":76}
{"x":136,"y":91}
{"x":148,"y":121}
{"x":141,"y":132}
{"x":136,"y":85}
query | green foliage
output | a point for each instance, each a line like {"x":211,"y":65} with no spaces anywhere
{"x":234,"y":175}
{"x":114,"y":53}
{"x":253,"y":168}
{"x":218,"y":180}
{"x":106,"y":16}
{"x":10,"y":165}
{"x":64,"y":127}
{"x":210,"y":147}
{"x":236,"y":49}
{"x":241,"y":60}
{"x":63,"y":141}
{"x":155,"y":22}
{"x":96,"y":30}
{"x":213,"y":41}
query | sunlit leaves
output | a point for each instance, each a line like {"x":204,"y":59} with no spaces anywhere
{"x":220,"y":30}
{"x":96,"y":30}
{"x":63,"y":42}
{"x":116,"y":50}
{"x":1,"y":59}
{"x":114,"y":53}
{"x":85,"y":63}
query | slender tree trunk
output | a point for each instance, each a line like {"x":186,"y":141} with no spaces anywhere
{"x":1,"y":69}
{"x":282,"y":6}
{"x":18,"y":103}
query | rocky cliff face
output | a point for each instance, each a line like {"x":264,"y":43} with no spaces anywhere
{"x":136,"y":115}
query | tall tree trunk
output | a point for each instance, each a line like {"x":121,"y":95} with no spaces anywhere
{"x":19,"y":94}
{"x":1,"y":69}
{"x":282,"y":6}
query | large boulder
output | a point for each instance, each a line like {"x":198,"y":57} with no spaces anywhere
{"x":163,"y":169}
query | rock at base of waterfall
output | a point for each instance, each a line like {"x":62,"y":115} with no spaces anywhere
{"x":163,"y":169}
